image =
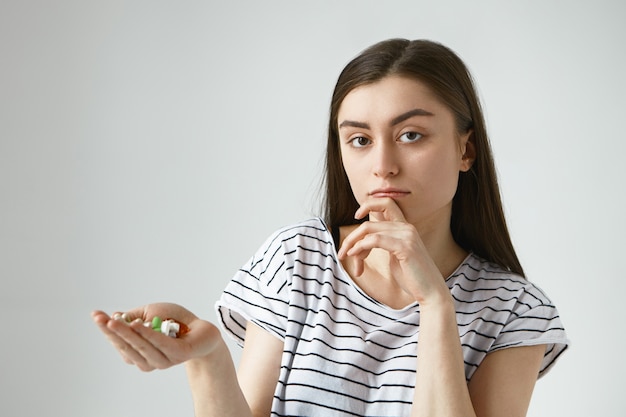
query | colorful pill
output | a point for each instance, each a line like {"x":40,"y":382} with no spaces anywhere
{"x":170,"y":328}
{"x":156,"y":323}
{"x":183,"y":329}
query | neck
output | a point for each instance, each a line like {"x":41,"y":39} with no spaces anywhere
{"x":441,"y":246}
{"x":444,"y":251}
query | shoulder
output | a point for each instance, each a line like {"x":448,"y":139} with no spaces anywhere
{"x":314,"y":227}
{"x":477,"y":272}
{"x":311,"y":234}
{"x":477,"y":279}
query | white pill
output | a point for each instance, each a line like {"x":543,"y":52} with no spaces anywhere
{"x":170,"y":328}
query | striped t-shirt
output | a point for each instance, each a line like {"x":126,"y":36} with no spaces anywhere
{"x":346,"y":354}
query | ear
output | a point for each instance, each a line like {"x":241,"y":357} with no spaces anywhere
{"x":468,"y":151}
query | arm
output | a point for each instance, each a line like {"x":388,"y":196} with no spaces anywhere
{"x":210,"y":369}
{"x":441,"y":388}
{"x":501,"y":386}
{"x":214,"y":387}
{"x":503,"y":383}
{"x":259,"y":368}
{"x":218,"y":391}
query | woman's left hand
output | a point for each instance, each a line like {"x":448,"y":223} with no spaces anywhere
{"x":409,"y":262}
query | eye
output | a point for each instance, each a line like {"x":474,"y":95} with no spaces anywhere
{"x":359,"y":142}
{"x":410,"y":137}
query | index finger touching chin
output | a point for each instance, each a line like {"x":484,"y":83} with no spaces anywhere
{"x":381,"y":209}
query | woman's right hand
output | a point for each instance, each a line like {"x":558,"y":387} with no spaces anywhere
{"x":149,"y":350}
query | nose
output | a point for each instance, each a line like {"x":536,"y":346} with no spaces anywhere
{"x":385,"y":162}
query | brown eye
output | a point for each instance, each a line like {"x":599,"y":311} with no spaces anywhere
{"x":410,"y":137}
{"x":360,"y":142}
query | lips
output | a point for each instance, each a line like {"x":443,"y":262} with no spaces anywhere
{"x":388,"y":192}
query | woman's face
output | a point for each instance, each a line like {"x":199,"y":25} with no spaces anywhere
{"x":399,"y":141}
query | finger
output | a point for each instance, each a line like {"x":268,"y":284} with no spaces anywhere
{"x":152,"y":346}
{"x":352,"y":238}
{"x":131,"y":315}
{"x":392,"y":244}
{"x":364,"y":246}
{"x":99,"y":317}
{"x":126,"y":316}
{"x":359,"y":263}
{"x":139,"y":345}
{"x":365,"y":229}
{"x":102,"y":320}
{"x":380,"y":209}
{"x":123,"y":338}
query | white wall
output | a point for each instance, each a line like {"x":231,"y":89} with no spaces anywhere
{"x":148,"y":147}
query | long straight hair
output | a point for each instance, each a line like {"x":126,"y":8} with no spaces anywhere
{"x":477,"y":222}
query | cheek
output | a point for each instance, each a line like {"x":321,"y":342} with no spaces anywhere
{"x":438,"y":175}
{"x":449,"y":179}
{"x":353,"y":176}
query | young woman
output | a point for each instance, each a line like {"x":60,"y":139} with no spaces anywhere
{"x":406,"y":299}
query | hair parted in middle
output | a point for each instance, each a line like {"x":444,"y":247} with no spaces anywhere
{"x":477,"y":221}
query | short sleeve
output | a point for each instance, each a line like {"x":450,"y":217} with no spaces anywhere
{"x":534,"y":320}
{"x":257,"y":293}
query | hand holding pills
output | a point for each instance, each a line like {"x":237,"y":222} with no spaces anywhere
{"x":168,"y":327}
{"x":141,"y":335}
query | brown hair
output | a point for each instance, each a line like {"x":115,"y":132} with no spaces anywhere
{"x":477,"y":222}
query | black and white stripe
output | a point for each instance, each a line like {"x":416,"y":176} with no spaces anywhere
{"x":347,"y":354}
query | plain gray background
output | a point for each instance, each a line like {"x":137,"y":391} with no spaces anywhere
{"x":148,"y":147}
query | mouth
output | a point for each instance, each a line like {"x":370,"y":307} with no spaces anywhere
{"x":388,"y":192}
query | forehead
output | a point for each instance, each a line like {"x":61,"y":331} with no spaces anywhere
{"x":388,"y":97}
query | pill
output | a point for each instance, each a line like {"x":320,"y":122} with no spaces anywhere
{"x":156,"y":323}
{"x":183,"y":329}
{"x":170,"y":328}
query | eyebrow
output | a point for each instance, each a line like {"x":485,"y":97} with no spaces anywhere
{"x":408,"y":115}
{"x":398,"y":119}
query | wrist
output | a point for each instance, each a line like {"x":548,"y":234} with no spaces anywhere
{"x":205,"y":364}
{"x":440,"y":301}
{"x":213,"y":381}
